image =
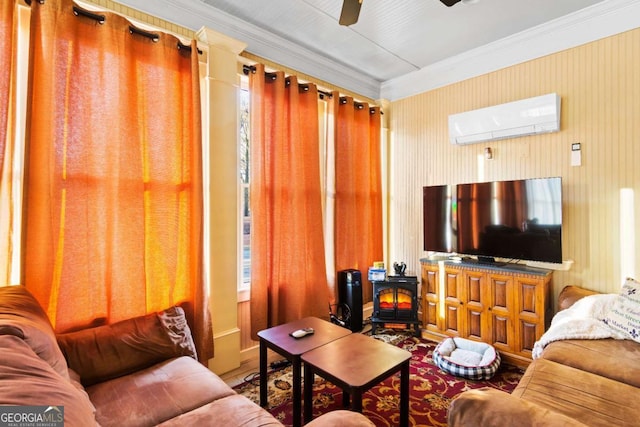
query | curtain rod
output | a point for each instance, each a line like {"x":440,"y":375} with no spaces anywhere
{"x":95,"y":16}
{"x":78,"y":11}
{"x":148,"y":34}
{"x":246,"y":69}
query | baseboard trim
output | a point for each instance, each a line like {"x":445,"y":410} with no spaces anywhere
{"x":367,"y":310}
{"x":226,"y":351}
{"x":250,"y":353}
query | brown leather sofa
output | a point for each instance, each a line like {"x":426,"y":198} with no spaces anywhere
{"x":575,"y":382}
{"x":139,"y":372}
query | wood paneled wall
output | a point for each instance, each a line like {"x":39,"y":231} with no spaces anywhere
{"x":600,"y":88}
{"x":244,"y":324}
{"x":143,"y":17}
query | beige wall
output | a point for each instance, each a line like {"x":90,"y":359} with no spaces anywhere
{"x":600,"y":88}
{"x":600,"y":91}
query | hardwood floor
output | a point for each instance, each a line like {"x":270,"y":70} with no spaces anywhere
{"x":248,"y":368}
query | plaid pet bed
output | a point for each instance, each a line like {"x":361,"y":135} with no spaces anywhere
{"x":444,"y":357}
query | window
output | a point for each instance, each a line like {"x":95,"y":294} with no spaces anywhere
{"x":245,"y":211}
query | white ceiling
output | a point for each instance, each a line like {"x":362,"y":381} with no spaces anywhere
{"x":392,"y":39}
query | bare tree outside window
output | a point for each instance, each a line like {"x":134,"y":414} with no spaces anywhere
{"x":244,"y":133}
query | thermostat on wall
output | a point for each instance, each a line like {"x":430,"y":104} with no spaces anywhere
{"x":576,"y":154}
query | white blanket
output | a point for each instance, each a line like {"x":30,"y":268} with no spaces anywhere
{"x":580,"y":321}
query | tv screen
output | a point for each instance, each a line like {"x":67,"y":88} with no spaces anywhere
{"x":519,"y":219}
{"x":439,"y":223}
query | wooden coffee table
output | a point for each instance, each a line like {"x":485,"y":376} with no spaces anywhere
{"x":279,"y":340}
{"x":356,"y":363}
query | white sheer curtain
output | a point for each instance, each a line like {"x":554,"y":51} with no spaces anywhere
{"x":327,"y":156}
{"x":14,"y":41}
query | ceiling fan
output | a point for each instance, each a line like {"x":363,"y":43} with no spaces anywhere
{"x":351,"y":10}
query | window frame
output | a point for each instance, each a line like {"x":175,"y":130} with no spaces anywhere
{"x":244,"y":207}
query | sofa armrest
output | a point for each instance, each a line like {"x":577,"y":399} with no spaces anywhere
{"x":488,"y":407}
{"x":22,"y":316}
{"x":570,"y":294}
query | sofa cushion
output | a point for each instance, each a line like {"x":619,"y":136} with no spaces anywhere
{"x":490,"y":407}
{"x":342,"y":418}
{"x":234,"y":410}
{"x":156,"y":394}
{"x":26,"y":379}
{"x":237,"y":410}
{"x":110,"y":351}
{"x":610,"y":358}
{"x":586,"y":397}
{"x":624,"y":314}
{"x":22,"y":316}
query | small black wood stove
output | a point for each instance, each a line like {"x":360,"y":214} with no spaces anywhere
{"x":395,"y":301}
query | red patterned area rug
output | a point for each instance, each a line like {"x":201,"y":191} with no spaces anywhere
{"x":431,"y":389}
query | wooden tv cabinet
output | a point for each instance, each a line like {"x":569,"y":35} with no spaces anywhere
{"x":508,"y":306}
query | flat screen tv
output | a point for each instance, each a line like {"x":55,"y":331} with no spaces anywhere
{"x":516,"y":220}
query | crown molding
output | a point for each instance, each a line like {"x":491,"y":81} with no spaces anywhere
{"x":593,"y":23}
{"x":601,"y":20}
{"x":196,"y":14}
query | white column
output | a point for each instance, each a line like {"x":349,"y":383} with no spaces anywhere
{"x":220,"y":87}
{"x":385,"y":151}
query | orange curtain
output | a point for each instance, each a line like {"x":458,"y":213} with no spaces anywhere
{"x":7,"y":70}
{"x":288,"y":276}
{"x":114,"y":184}
{"x":358,"y":207}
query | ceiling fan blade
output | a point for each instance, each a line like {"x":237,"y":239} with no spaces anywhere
{"x":350,"y":12}
{"x":449,"y":3}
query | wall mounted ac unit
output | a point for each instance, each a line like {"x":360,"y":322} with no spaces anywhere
{"x":530,"y":116}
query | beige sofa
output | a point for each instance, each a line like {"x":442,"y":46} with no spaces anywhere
{"x":139,"y":372}
{"x":575,"y":382}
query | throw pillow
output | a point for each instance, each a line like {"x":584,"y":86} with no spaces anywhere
{"x":624,"y":314}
